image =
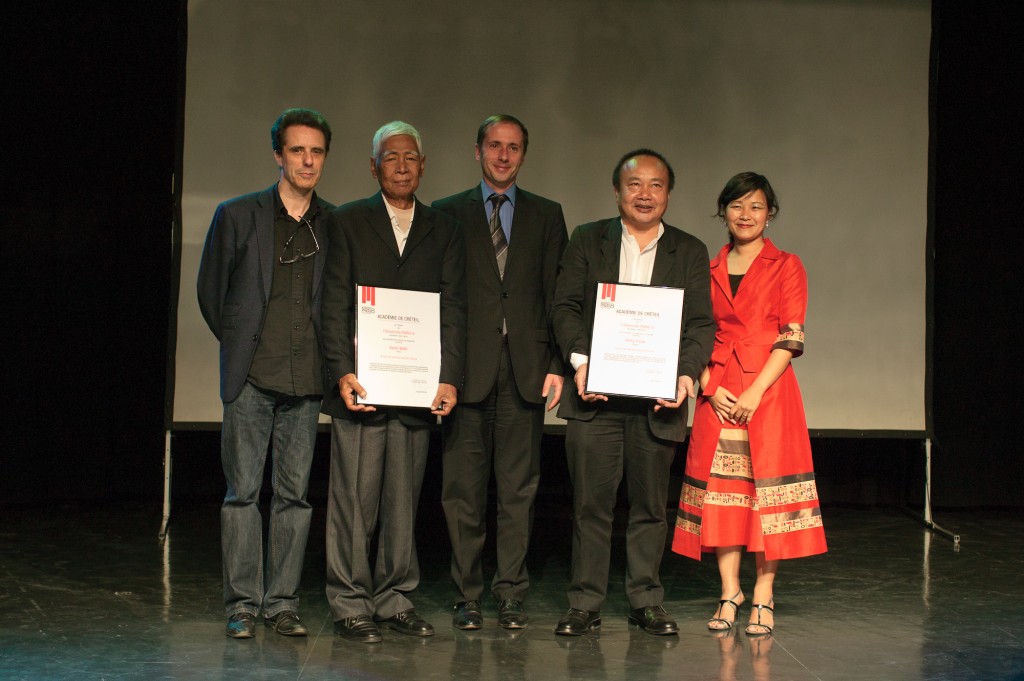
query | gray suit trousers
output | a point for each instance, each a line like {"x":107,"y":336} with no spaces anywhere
{"x":377,"y":466}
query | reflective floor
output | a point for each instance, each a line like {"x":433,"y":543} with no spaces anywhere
{"x":90,"y":593}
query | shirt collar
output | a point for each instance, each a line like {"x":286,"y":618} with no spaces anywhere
{"x":487,"y":190}
{"x":279,"y":209}
{"x":654,"y":242}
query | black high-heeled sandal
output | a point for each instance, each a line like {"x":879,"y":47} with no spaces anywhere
{"x":735,"y":615}
{"x":767,"y":629}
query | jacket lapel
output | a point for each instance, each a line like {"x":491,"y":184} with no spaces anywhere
{"x":422,"y":225}
{"x":263,"y":220}
{"x":664,"y":258}
{"x":522,"y":215}
{"x":608,"y":268}
{"x":479,"y":232}
{"x":720,"y":272}
{"x":769,"y":253}
{"x":320,"y":232}
{"x":380,"y":222}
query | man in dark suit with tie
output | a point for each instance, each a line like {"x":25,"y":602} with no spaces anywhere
{"x":607,"y":436}
{"x":513,"y":242}
{"x":379,"y":453}
{"x":259,"y":291}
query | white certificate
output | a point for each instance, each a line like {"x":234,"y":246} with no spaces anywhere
{"x":634,"y":345}
{"x":398,"y":346}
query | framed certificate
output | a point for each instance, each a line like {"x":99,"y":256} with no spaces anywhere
{"x":398,"y":346}
{"x":634,"y":345}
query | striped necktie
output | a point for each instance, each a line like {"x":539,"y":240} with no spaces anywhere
{"x":497,"y":233}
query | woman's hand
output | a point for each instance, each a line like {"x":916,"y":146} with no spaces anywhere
{"x":746,"y":404}
{"x":722,"y":402}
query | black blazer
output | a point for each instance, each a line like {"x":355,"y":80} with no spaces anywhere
{"x":523,"y":299}
{"x":235,"y":274}
{"x":366,"y":253}
{"x":592,"y":256}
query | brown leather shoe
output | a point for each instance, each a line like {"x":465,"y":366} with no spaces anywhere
{"x":286,"y":623}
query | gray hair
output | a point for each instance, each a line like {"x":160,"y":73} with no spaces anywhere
{"x":391,"y":130}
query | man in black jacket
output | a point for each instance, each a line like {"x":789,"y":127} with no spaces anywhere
{"x":513,"y":242}
{"x":608,"y":435}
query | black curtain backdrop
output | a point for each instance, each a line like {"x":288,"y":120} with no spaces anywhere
{"x":93,"y":100}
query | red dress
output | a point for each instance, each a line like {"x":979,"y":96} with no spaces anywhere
{"x":753,"y":485}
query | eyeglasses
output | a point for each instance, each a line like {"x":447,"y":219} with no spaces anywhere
{"x":300,"y":256}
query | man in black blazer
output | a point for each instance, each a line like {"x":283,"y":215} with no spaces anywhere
{"x":378,"y":453}
{"x":259,"y":291}
{"x":606,"y":435}
{"x":512,"y":368}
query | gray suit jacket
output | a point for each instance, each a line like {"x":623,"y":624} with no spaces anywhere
{"x":522,"y":298}
{"x":235,"y":276}
{"x":365,"y":252}
{"x":593,"y":256}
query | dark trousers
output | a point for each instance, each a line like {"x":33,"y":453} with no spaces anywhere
{"x":377,"y":467}
{"x":502,"y":433}
{"x":616,"y":442}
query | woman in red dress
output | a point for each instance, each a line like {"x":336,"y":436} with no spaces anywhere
{"x":749,"y":475}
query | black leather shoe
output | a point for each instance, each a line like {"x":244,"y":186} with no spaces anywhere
{"x":654,"y":620}
{"x":408,"y":622}
{"x":286,"y":623}
{"x":360,"y":628}
{"x":241,"y":625}
{"x":578,"y":622}
{"x":467,"y":615}
{"x":511,"y":614}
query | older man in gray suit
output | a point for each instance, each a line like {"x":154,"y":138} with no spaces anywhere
{"x":379,"y":453}
{"x":259,"y":291}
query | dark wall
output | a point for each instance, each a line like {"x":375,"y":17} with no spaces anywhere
{"x":976,"y":185}
{"x":92,"y":106}
{"x":90,"y":100}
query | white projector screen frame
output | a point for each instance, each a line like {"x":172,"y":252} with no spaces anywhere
{"x":828,"y":99}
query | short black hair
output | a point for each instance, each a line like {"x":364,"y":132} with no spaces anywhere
{"x":740,"y":185}
{"x":307,"y":117}
{"x":617,"y":173}
{"x":491,"y":121}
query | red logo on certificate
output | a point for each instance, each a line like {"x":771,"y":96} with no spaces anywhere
{"x":608,"y":292}
{"x":369,"y":294}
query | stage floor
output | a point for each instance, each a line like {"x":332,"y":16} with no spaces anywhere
{"x":90,"y":593}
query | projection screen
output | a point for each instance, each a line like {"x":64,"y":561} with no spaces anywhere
{"x":828,"y":99}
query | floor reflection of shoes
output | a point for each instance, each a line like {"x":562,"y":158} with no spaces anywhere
{"x":578,"y":622}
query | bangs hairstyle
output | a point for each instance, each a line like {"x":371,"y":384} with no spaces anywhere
{"x":742,"y":184}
